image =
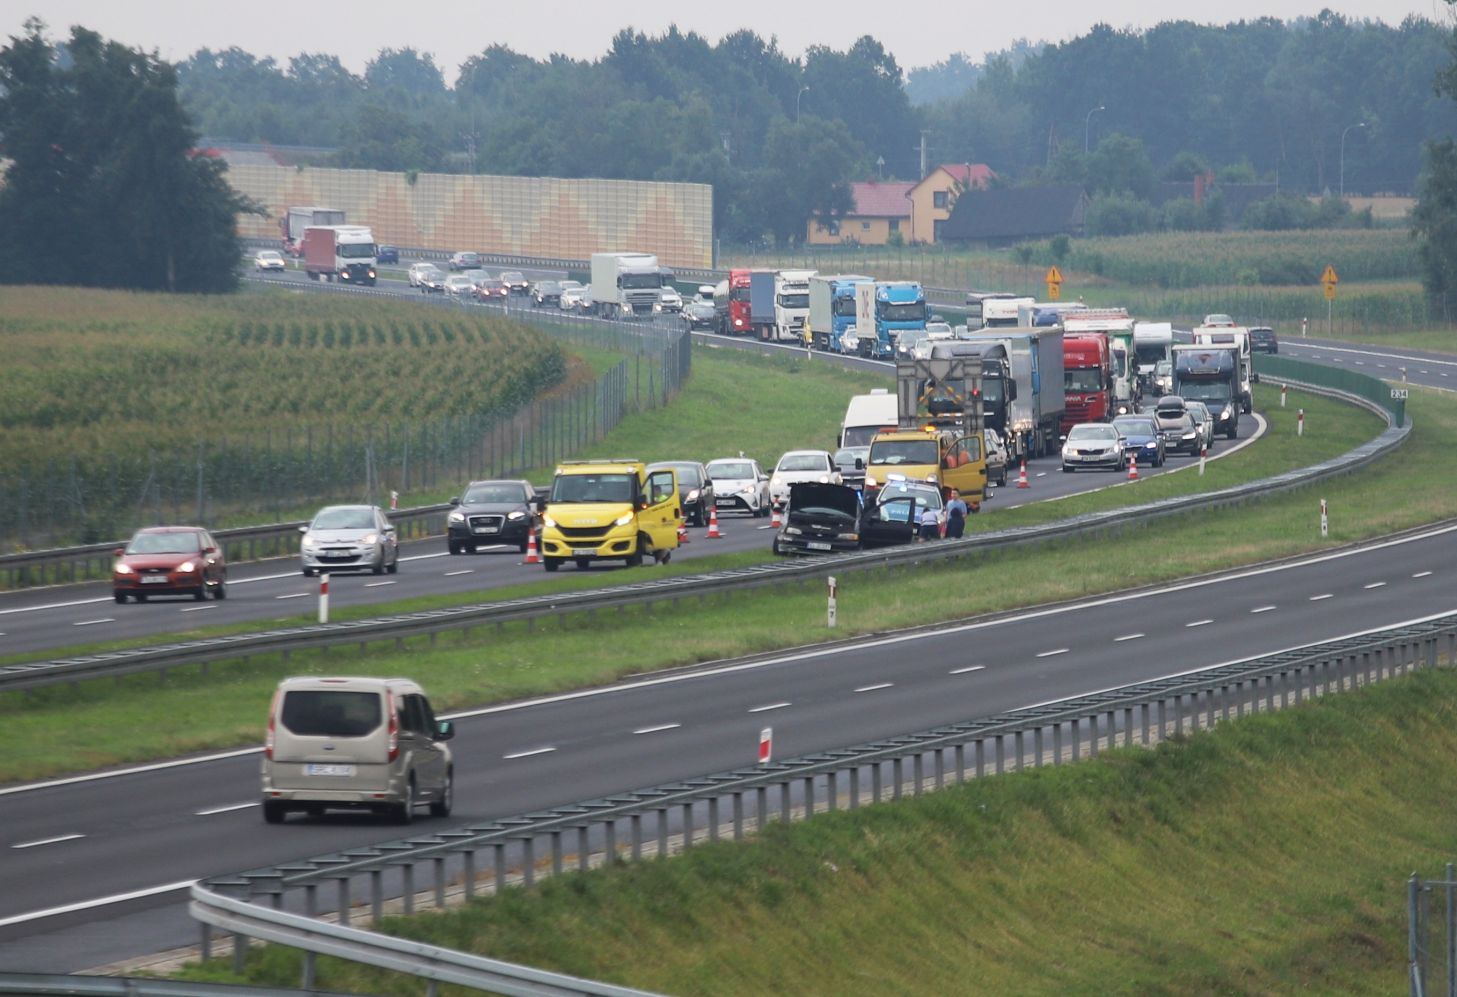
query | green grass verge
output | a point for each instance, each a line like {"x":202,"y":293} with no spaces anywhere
{"x":63,"y":729}
{"x":1266,"y":856}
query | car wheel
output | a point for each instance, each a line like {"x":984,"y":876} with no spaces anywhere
{"x":119,"y":596}
{"x":405,"y":811}
{"x":308,"y":572}
{"x":220,"y":591}
{"x":378,"y":568}
{"x":551,"y":563}
{"x":274,"y":811}
{"x":141,"y":597}
{"x":395,"y":564}
{"x":200,"y":593}
{"x":454,"y":547}
{"x":441,"y":807}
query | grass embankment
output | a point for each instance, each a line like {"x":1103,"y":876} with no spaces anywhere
{"x":1266,"y":856}
{"x":60,"y":729}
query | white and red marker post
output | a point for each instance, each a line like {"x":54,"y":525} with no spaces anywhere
{"x":766,"y":745}
{"x":1283,"y":388}
{"x":1325,"y":523}
{"x":1300,"y":422}
{"x":323,"y":597}
{"x":832,"y":607}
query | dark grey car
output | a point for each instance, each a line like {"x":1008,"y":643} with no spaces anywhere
{"x":695,"y":488}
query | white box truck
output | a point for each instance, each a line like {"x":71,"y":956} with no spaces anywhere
{"x":626,"y":285}
{"x":791,"y":303}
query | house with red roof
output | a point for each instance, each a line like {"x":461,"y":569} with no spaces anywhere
{"x":915,"y":209}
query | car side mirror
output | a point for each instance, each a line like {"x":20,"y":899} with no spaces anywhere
{"x":209,"y":550}
{"x":444,"y":730}
{"x":389,"y":527}
{"x":455,"y":501}
{"x":541,"y":505}
{"x":118,"y":552}
{"x":303,"y":529}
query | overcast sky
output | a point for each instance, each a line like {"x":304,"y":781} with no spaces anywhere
{"x":917,"y":34}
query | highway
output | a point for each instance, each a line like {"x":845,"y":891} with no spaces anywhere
{"x":78,"y":842}
{"x":94,"y":869}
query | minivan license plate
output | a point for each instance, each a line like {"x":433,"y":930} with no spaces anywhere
{"x":334,"y":770}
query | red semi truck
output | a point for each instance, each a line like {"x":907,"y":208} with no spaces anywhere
{"x":731,"y":301}
{"x":1087,"y":379}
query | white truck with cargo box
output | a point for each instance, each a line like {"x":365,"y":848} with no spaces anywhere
{"x":867,"y":415}
{"x":1236,"y":338}
{"x":1035,"y":356}
{"x":791,"y":303}
{"x":626,"y":285}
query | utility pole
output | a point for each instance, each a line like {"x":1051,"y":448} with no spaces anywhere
{"x":924,"y":157}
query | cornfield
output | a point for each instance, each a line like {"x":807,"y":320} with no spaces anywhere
{"x":107,"y":399}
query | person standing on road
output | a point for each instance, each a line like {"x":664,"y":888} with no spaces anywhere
{"x":956,"y":513}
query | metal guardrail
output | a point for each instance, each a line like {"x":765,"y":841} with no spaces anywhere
{"x":56,"y":985}
{"x":662,"y":820}
{"x":393,"y":628}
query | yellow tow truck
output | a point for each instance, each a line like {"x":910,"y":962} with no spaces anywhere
{"x":604,"y":510}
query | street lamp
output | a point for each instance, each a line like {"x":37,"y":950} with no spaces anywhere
{"x":1359,"y":124}
{"x":1088,"y":121}
{"x":796,"y":102}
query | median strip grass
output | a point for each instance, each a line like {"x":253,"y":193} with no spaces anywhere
{"x":66,"y":729}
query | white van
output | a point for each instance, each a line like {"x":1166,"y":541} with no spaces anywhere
{"x":867,"y":415}
{"x":355,"y":744}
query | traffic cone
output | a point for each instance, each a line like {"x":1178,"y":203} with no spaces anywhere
{"x":1133,"y":467}
{"x":682,"y":532}
{"x":1022,"y":475}
{"x":775,"y":521}
{"x":713,"y":533}
{"x":531,"y":557}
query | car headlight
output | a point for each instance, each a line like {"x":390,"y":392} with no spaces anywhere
{"x":122,"y":568}
{"x":776,"y":483}
{"x":369,"y":540}
{"x":309,"y":543}
{"x":548,"y":522}
{"x":692,"y":496}
{"x":456,"y":517}
{"x":849,"y":536}
{"x":623,"y":519}
{"x":186,"y":568}
{"x":824,"y":479}
{"x":870,"y":481}
{"x":795,"y":530}
{"x":1151,"y":445}
{"x":1189,"y":435}
{"x":931,"y":478}
{"x":518,"y":514}
{"x":1067,"y":452}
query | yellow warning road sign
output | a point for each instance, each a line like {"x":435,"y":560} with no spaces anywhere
{"x":1329,"y":277}
{"x":1054,"y":275}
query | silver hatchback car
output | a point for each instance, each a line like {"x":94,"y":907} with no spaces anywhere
{"x":349,"y":538}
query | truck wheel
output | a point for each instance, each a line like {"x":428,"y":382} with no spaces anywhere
{"x":635,"y":559}
{"x":551,"y":563}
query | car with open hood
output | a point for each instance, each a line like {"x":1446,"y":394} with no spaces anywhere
{"x":820,"y":518}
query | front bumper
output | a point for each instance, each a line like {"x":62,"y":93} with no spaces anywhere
{"x":489,"y":528}
{"x":785,"y":543}
{"x":342,"y":557}
{"x":1112,"y":460}
{"x":158,"y":583}
{"x":605,"y":543}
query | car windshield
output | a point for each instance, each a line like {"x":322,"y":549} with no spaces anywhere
{"x":356,"y":250}
{"x":616,"y":488}
{"x":1083,"y":379}
{"x":345,"y":518}
{"x":923,"y":497}
{"x":687,"y":473}
{"x":330,"y":712}
{"x":163,"y":543}
{"x":1215,"y":395}
{"x":513,"y":275}
{"x":1091,"y":432}
{"x":893,"y":452}
{"x":494,"y":492}
{"x":269,"y":254}
{"x":803,"y":462}
{"x":738,"y":470}
{"x":548,"y":286}
{"x":1129,"y":426}
{"x":911,"y":311}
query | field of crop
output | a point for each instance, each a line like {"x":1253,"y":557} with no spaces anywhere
{"x":110,"y":399}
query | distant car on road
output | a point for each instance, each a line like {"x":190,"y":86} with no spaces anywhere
{"x":492,"y":289}
{"x":1262,"y":340}
{"x":1176,"y":426}
{"x":1203,"y":421}
{"x":739,"y":484}
{"x":846,"y":461}
{"x":169,"y":560}
{"x":388,"y":254}
{"x":489,"y":513}
{"x":1141,"y":439}
{"x":459,"y":285}
{"x":570,"y":299}
{"x":546,"y":292}
{"x":465,"y":261}
{"x":699,"y":315}
{"x":801,"y":465}
{"x":1093,"y":444}
{"x":515,"y":281}
{"x":426,"y":276}
{"x":349,"y":538}
{"x":1218,"y":319}
{"x":269,"y":259}
{"x":695,"y":488}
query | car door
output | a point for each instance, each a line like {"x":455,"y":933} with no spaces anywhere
{"x":661,"y":509}
{"x":890,"y":522}
{"x":964,"y":468}
{"x":427,"y":757}
{"x":389,"y":541}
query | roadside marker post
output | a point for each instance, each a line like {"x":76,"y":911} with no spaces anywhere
{"x":1283,"y":388}
{"x":1300,"y":422}
{"x":394,"y":501}
{"x":1325,"y":525}
{"x":323,"y":597}
{"x":1203,"y":456}
{"x":766,"y":745}
{"x":833,"y":590}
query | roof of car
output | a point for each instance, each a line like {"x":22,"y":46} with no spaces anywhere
{"x":172,"y":529}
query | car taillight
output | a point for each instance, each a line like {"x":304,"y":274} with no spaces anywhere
{"x":394,"y":726}
{"x":272,"y":725}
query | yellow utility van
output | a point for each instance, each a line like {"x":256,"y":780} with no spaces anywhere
{"x":604,"y":510}
{"x":945,"y":458}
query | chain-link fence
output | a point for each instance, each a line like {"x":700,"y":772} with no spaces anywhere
{"x":226,"y":479}
{"x":1432,"y":935}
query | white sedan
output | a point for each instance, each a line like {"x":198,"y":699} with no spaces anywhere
{"x":801,"y":465}
{"x":269,"y":259}
{"x":739,"y":484}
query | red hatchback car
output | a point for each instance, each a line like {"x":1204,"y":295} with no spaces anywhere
{"x":170,"y":560}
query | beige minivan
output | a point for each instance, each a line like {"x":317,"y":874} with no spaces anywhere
{"x":355,"y":744}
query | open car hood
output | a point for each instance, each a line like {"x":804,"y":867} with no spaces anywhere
{"x":814,"y":498}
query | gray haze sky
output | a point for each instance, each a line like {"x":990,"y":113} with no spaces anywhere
{"x":355,"y":30}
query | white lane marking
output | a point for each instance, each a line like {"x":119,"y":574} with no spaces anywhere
{"x":764,"y":527}
{"x":889,"y":641}
{"x":1318,"y":598}
{"x":1119,"y":640}
{"x":660,"y":727}
{"x":1374,"y":585}
{"x":92,"y":623}
{"x":53,"y":605}
{"x":1262,"y":609}
{"x":1360,"y":363}
{"x":766,"y":709}
{"x":528,"y":754}
{"x":968,"y":668}
{"x":115,"y":898}
{"x":1382,"y":366}
{"x":48,"y":841}
{"x":293,"y":595}
{"x":1426,"y":372}
{"x":1198,"y":623}
{"x":375,"y":585}
{"x":1041,"y":474}
{"x":464,"y":571}
{"x":198,"y":609}
{"x":1392,"y":356}
{"x":224,"y":810}
{"x":875,"y":687}
{"x":1048,"y":654}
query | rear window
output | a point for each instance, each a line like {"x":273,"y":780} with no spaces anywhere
{"x":331,"y":712}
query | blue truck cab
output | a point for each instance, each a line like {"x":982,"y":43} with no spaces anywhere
{"x":900,"y":310}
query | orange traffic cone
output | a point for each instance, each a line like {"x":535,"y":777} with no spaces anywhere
{"x":1133,"y":467}
{"x":531,"y":557}
{"x":682,"y":531}
{"x":775,"y":521}
{"x":713,"y":533}
{"x":1022,"y":475}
